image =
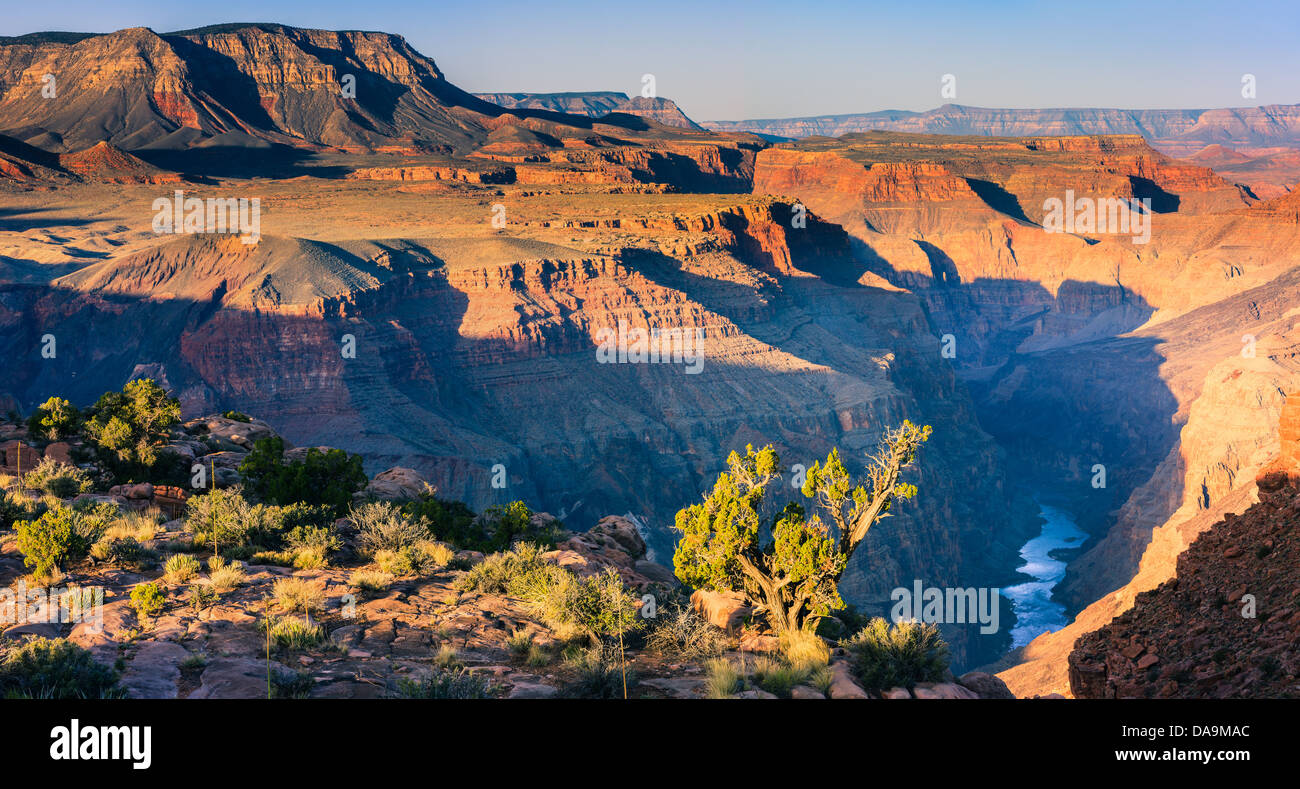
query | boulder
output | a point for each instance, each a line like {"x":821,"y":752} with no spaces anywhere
{"x":60,"y":451}
{"x":895,"y":693}
{"x":396,"y":484}
{"x":726,"y":610}
{"x":18,"y":454}
{"x":805,"y":692}
{"x":942,"y":690}
{"x":986,"y":686}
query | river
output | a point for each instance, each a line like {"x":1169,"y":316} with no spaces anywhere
{"x":1036,"y":612}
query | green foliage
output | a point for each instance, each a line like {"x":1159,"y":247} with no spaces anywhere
{"x":291,"y":684}
{"x":148,"y":600}
{"x":292,"y":633}
{"x":900,"y":656}
{"x":421,"y":559}
{"x":125,"y":552}
{"x":445,"y":684}
{"x":381,"y":526}
{"x":320,"y":479}
{"x":779,"y":677}
{"x":448,"y":521}
{"x":299,"y":594}
{"x":16,"y":507}
{"x":237,"y":416}
{"x":598,"y":606}
{"x":788,"y":564}
{"x":599,"y":674}
{"x":49,"y":543}
{"x":129,"y":426}
{"x":225,"y":577}
{"x":722,"y":679}
{"x":180,"y":569}
{"x":370,"y":580}
{"x":501,"y":527}
{"x":223,"y":518}
{"x":55,"y":669}
{"x":54,"y":420}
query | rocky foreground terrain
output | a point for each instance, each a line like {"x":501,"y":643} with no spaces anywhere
{"x":1227,"y":625}
{"x":208,"y":639}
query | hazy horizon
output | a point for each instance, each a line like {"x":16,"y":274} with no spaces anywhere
{"x":769,"y":60}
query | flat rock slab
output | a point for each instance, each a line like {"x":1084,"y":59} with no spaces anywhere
{"x":235,"y":678}
{"x":677,"y":687}
{"x":154,"y":671}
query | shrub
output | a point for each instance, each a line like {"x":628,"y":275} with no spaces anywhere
{"x":125,"y":552}
{"x":51,"y":541}
{"x":381,"y":526}
{"x":321,"y":478}
{"x":55,"y":669}
{"x":778,"y":677}
{"x":225,"y":577}
{"x":148,"y":600}
{"x":129,"y":426}
{"x":140,"y":526}
{"x":58,"y":479}
{"x":723,"y":680}
{"x":599,"y":675}
{"x":54,"y":419}
{"x":443,"y":684}
{"x":299,"y":594}
{"x":223,"y":518}
{"x":500,"y":527}
{"x":495,"y":573}
{"x":679,"y":632}
{"x":237,"y":416}
{"x":903,"y":655}
{"x":805,"y":649}
{"x":370,"y":580}
{"x":16,"y":507}
{"x":291,"y":684}
{"x":276,"y":558}
{"x":180,"y":569}
{"x":519,"y":643}
{"x":201,"y":597}
{"x":319,"y":539}
{"x":448,"y":521}
{"x":293,"y":633}
{"x":538,"y":657}
{"x":422,"y":558}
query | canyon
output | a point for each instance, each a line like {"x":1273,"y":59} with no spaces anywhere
{"x":470,"y":253}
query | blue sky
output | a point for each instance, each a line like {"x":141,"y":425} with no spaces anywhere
{"x":753,"y":59}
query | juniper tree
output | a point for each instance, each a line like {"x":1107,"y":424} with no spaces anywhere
{"x":789,"y":566}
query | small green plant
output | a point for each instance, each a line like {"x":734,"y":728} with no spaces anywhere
{"x":381,"y":526}
{"x":180,"y":569}
{"x":372,"y":581}
{"x":884,"y":657}
{"x":225,"y":577}
{"x":201,"y":597}
{"x":291,"y":684}
{"x":722,"y":679}
{"x":237,"y":416}
{"x":299,"y":594}
{"x":55,"y":669}
{"x":58,"y":479}
{"x":600,"y":674}
{"x":778,"y":677}
{"x":446,"y":657}
{"x":194,"y":662}
{"x":148,"y":600}
{"x":456,"y":683}
{"x":292,"y":633}
{"x":539,"y":656}
{"x":519,"y":643}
